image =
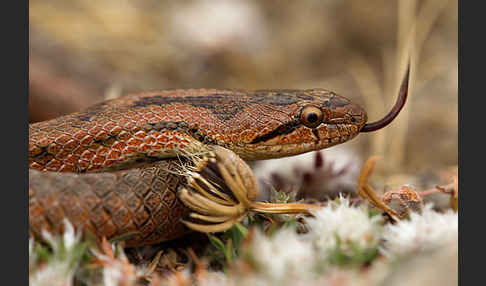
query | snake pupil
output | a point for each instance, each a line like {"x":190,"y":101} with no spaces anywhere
{"x":311,"y":118}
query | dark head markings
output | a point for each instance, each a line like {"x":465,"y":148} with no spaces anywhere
{"x":170,"y":125}
{"x":278,"y":97}
{"x":221,"y":105}
{"x":316,"y":133}
{"x":281,"y":130}
{"x":180,"y":126}
{"x":224,"y":106}
{"x":274,"y":97}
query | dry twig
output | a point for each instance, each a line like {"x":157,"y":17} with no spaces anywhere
{"x":366,"y":191}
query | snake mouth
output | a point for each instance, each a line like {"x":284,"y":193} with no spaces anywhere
{"x":279,"y":131}
{"x":299,"y":133}
{"x":299,"y":140}
{"x":295,"y":133}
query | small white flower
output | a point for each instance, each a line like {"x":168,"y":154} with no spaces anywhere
{"x":216,"y":278}
{"x":114,"y":275}
{"x":183,"y":277}
{"x":118,"y":270}
{"x":282,"y":256}
{"x":53,"y":274}
{"x":70,"y":237}
{"x":351,"y":224}
{"x":63,"y":263}
{"x":422,"y":232}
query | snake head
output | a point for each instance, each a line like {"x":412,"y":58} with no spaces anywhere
{"x":316,"y":119}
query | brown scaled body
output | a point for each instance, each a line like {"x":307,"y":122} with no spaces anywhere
{"x":152,"y":125}
{"x":133,"y":143}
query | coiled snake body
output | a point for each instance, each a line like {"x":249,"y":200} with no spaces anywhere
{"x":111,"y":169}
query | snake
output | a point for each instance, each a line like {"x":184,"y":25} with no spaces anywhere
{"x":112,"y":168}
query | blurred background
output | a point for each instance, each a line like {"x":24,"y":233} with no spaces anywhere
{"x":83,"y":52}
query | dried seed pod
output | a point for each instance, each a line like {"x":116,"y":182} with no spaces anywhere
{"x":222,"y":190}
{"x":404,"y":200}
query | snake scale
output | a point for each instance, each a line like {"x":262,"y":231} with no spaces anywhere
{"x":110,"y":169}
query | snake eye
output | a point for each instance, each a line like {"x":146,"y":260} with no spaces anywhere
{"x":311,"y":116}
